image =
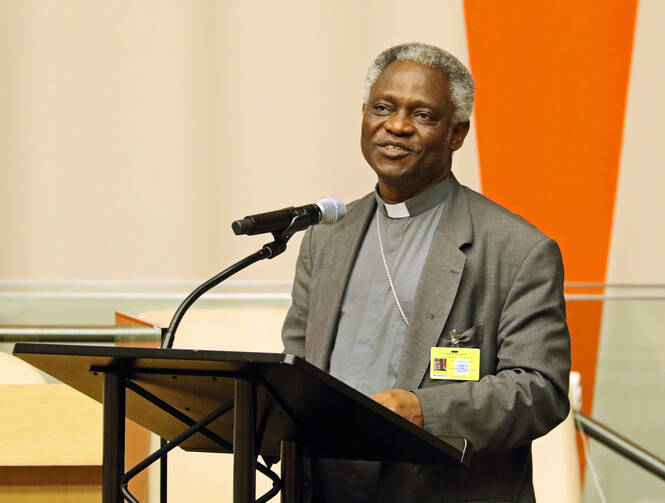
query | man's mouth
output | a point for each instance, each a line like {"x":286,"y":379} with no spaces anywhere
{"x":394,"y":150}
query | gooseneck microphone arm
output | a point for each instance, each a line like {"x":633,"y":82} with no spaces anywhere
{"x":282,"y":224}
{"x":268,"y":251}
{"x":167,"y":340}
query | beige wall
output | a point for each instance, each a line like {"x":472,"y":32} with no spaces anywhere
{"x":133,"y":133}
{"x":638,"y":242}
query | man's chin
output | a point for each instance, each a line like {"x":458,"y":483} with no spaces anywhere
{"x":392,"y":172}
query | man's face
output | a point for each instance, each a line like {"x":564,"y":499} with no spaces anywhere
{"x":406,"y":133}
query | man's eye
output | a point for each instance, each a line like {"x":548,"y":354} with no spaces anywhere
{"x":424,"y":116}
{"x":381,"y":108}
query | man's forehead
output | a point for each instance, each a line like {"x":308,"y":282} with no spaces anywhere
{"x":411,"y":79}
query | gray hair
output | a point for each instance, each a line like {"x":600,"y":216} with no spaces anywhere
{"x":462,"y":87}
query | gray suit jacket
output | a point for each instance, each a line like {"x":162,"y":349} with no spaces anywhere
{"x":498,"y":281}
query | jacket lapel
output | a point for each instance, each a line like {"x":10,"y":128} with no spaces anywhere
{"x":341,"y":248}
{"x":437,"y":288}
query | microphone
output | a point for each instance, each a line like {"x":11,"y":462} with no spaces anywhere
{"x":326,"y":211}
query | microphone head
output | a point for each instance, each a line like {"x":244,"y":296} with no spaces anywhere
{"x":332,"y":210}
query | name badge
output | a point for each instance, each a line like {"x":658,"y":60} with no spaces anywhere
{"x":460,"y":364}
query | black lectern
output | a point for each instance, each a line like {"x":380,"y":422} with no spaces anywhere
{"x":281,"y":406}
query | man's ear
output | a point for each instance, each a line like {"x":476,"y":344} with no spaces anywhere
{"x":364,"y":106}
{"x":459,"y":133}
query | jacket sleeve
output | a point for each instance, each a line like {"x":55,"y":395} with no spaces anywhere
{"x":528,"y":395}
{"x":295,"y":323}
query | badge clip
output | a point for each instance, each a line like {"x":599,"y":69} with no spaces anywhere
{"x":454,"y":338}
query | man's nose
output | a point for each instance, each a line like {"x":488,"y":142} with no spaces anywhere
{"x":399,"y":124}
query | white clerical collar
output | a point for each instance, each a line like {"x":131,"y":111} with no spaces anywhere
{"x":399,"y":210}
{"x":425,"y":200}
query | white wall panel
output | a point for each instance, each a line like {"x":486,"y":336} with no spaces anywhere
{"x":630,"y":374}
{"x":135,"y":132}
{"x":637,"y":247}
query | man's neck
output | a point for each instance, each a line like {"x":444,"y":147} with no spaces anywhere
{"x":393,"y":194}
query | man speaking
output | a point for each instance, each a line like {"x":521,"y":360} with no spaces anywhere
{"x":420,"y":266}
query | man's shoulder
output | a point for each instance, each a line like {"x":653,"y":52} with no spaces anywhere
{"x":362,"y":204}
{"x":489,"y":217}
{"x":357,"y":212}
{"x":499,"y":235}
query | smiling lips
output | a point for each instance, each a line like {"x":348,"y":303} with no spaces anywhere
{"x":394,"y":150}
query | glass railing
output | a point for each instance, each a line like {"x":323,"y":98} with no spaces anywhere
{"x":618,"y":345}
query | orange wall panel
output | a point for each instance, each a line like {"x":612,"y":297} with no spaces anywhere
{"x":551,"y":80}
{"x":551,"y":92}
